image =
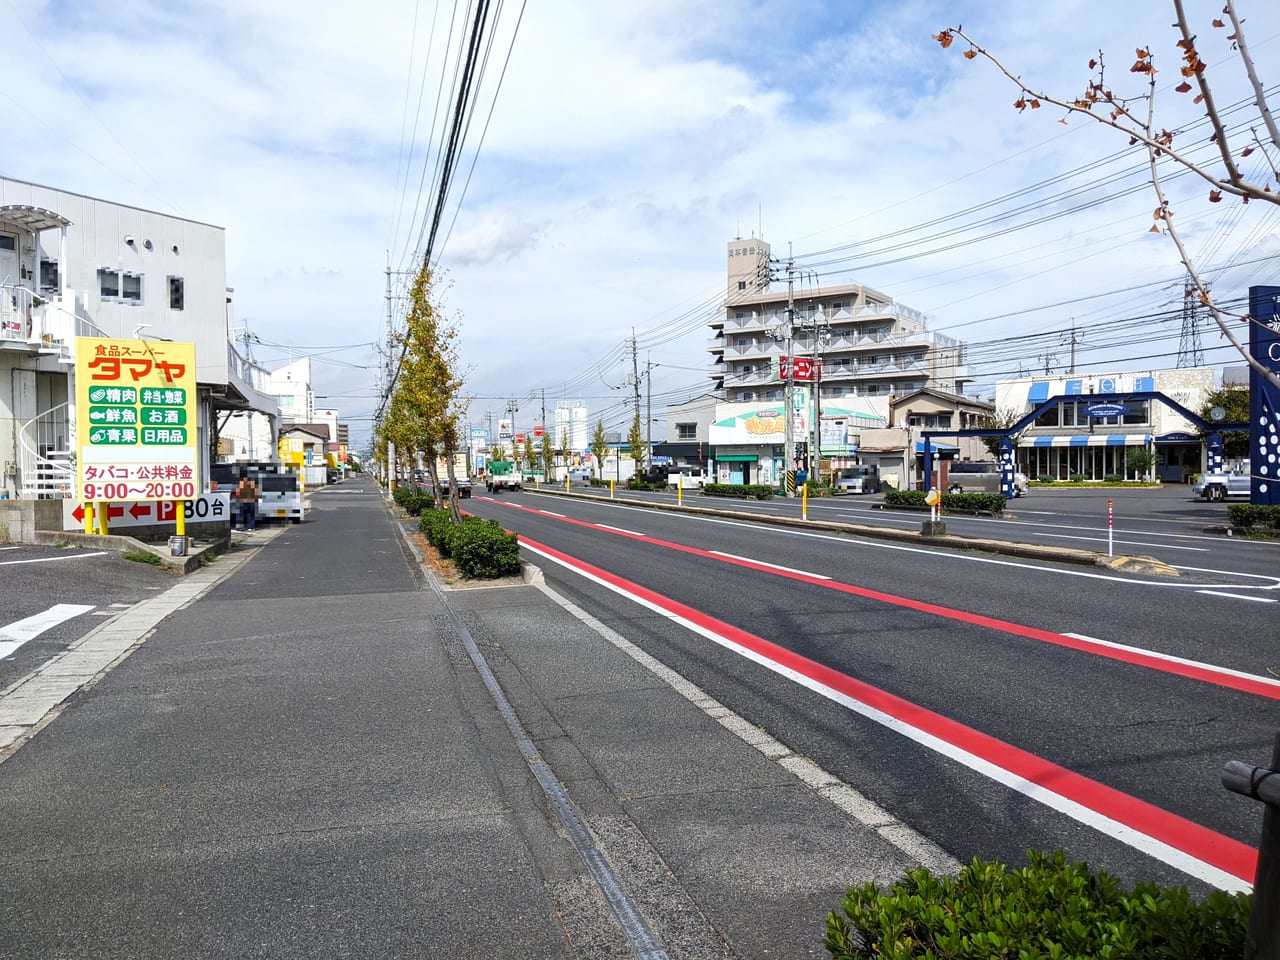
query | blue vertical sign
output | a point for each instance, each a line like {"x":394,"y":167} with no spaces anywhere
{"x":1264,"y":396}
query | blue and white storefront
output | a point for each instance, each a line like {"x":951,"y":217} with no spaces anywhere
{"x":1083,"y":438}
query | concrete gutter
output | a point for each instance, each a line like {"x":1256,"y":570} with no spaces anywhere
{"x":1030,"y":551}
{"x":191,"y":561}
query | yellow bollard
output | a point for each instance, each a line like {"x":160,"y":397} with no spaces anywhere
{"x":566,"y":484}
{"x":804,"y":501}
{"x":679,"y":489}
{"x":179,"y":516}
{"x":610,"y":489}
{"x":103,"y":507}
{"x":88,"y":517}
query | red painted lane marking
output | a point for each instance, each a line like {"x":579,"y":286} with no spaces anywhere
{"x":1191,"y":839}
{"x":1204,"y":673}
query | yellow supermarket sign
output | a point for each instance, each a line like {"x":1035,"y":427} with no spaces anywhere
{"x":135,"y":420}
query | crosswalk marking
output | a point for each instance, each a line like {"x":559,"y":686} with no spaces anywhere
{"x":19,"y":632}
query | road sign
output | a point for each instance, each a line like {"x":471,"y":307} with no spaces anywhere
{"x":208,"y":506}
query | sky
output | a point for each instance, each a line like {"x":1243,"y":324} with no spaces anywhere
{"x":613,"y":151}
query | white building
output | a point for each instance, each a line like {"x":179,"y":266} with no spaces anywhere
{"x":1066,"y":441}
{"x":851,"y":349}
{"x":253,"y":436}
{"x":72,"y":265}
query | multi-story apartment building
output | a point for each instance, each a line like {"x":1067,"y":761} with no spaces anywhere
{"x":870,"y":346}
{"x":864,"y":346}
{"x":75,"y":266}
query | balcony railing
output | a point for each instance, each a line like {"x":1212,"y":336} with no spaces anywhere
{"x":46,"y":462}
{"x":45,"y":323}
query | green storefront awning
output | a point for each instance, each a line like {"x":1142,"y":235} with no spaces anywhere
{"x":737,"y":456}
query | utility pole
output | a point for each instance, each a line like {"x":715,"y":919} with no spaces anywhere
{"x":635,"y":381}
{"x":1071,"y":339}
{"x":1047,"y":359}
{"x":788,"y":459}
{"x":648,"y":412}
{"x":546,"y":467}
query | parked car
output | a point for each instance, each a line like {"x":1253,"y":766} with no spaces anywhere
{"x":980,"y":476}
{"x":1224,"y":484}
{"x":687,"y":477}
{"x":860,"y":478}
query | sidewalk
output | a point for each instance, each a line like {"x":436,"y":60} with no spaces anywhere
{"x":302,"y":759}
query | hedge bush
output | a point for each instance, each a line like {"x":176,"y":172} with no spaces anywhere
{"x":742,"y":491}
{"x":958,"y":502}
{"x":484,"y":551}
{"x":1049,"y":910}
{"x":480,"y":548}
{"x":413,"y":499}
{"x":1248,"y":516}
{"x":905,"y":498}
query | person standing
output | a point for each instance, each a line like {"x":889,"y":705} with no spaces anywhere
{"x":246,"y":495}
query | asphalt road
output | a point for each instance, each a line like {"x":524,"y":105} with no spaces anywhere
{"x":973,"y":644}
{"x":1163,"y":522}
{"x":88,"y":585}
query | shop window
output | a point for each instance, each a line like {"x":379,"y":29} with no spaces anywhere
{"x":686,"y":431}
{"x":177,"y":293}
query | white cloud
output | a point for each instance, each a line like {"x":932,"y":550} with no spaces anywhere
{"x":628,"y":144}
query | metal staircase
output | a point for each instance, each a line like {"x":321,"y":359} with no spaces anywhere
{"x":46,"y":464}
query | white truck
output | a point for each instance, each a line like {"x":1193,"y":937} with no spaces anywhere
{"x":1234,"y":483}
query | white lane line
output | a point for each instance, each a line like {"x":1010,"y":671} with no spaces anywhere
{"x":772,"y":566}
{"x":630,"y":533}
{"x":548,"y":513}
{"x":1236,"y":596}
{"x":1007,"y":773}
{"x":20,"y":631}
{"x":71,"y":556}
{"x":1170,"y":658}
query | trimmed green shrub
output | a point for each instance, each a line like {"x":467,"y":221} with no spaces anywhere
{"x":1113,"y":478}
{"x":973,"y":502}
{"x":905,"y":498}
{"x":413,"y":499}
{"x":484,"y":551}
{"x":480,"y":548}
{"x":742,"y":491}
{"x":1049,"y":910}
{"x":1248,"y":515}
{"x":1078,"y":478}
{"x":435,"y":523}
{"x":958,"y":502}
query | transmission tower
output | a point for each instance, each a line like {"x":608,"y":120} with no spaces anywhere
{"x":1190,"y":353}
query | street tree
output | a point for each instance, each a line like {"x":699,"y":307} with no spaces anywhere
{"x":428,"y":389}
{"x":1134,"y":116}
{"x":1234,"y":403}
{"x":999,"y":420}
{"x":599,"y":448}
{"x":546,"y":455}
{"x":530,"y":455}
{"x":635,"y":440}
